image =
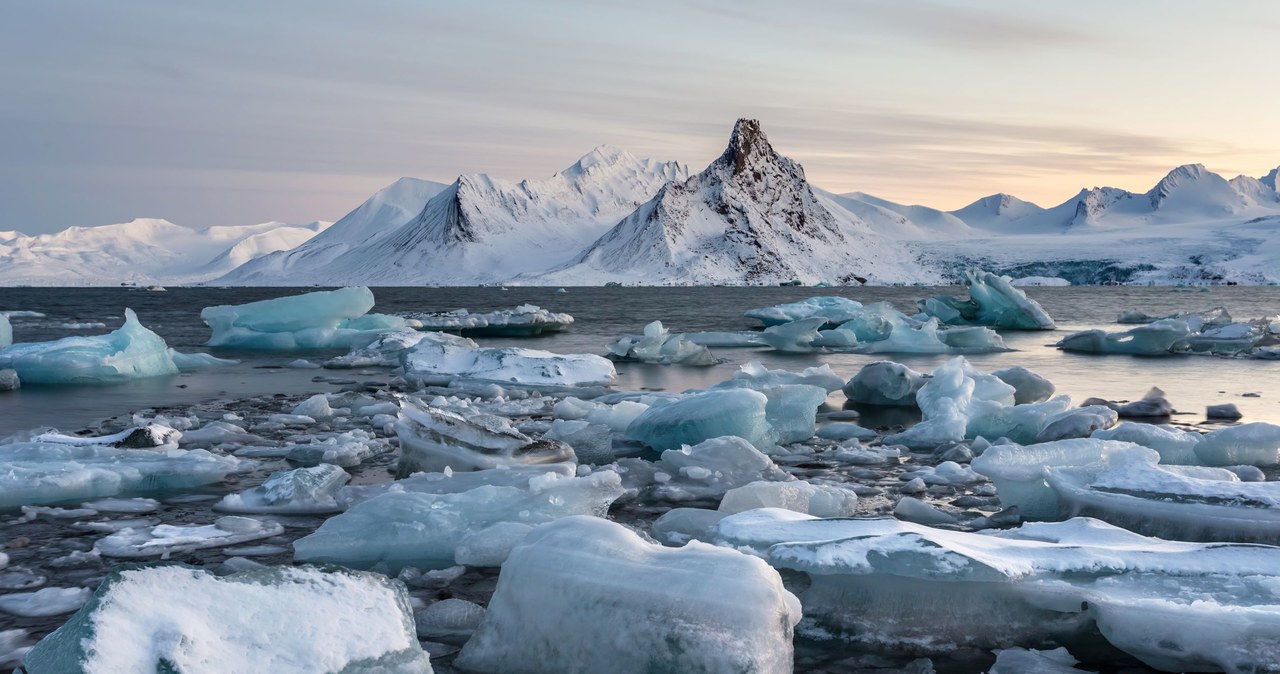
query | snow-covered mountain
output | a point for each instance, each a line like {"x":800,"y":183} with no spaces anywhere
{"x":381,"y":214}
{"x":750,"y":217}
{"x":484,"y":229}
{"x":143,"y":251}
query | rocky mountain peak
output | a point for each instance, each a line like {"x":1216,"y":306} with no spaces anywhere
{"x":748,"y":146}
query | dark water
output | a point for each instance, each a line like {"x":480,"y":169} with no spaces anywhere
{"x":602,"y":314}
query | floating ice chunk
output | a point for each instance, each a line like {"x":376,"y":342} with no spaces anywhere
{"x":1080,"y":422}
{"x":794,"y":337}
{"x":295,"y":492}
{"x":1028,"y":387}
{"x":902,"y":585}
{"x":1196,"y":320}
{"x":490,"y":546}
{"x":791,"y":411}
{"x":318,"y":320}
{"x":1227,"y":339}
{"x":702,"y":416}
{"x":138,"y":437}
{"x":422,"y":530}
{"x":49,"y":601}
{"x":592,"y":443}
{"x":1023,"y":661}
{"x":9,"y":380}
{"x":130,"y":352}
{"x":6,"y":331}
{"x":914,"y":510}
{"x":1225,"y":411}
{"x":190,"y":362}
{"x":820,"y":500}
{"x":845,"y":431}
{"x":347,"y":450}
{"x":219,"y":432}
{"x":693,"y":609}
{"x":316,"y":407}
{"x":885,"y":383}
{"x":432,"y":439}
{"x":890,"y":331}
{"x":947,"y":473}
{"x":451,"y":482}
{"x":131,"y":506}
{"x":727,"y":340}
{"x":13,"y":646}
{"x":681,"y":525}
{"x":658,"y":345}
{"x":832,"y":310}
{"x":1019,"y":472}
{"x":279,"y":619}
{"x":1127,"y":487}
{"x":388,"y":348}
{"x":955,"y":394}
{"x":436,"y":362}
{"x":1162,"y":338}
{"x":992,"y":302}
{"x":617,"y":416}
{"x":1153,"y":404}
{"x":710,"y":468}
{"x":450,"y":619}
{"x":1255,"y":444}
{"x":34,"y":473}
{"x":526,"y":320}
{"x":1176,"y":446}
{"x":166,"y":539}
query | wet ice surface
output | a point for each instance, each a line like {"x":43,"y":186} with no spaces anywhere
{"x":55,"y":548}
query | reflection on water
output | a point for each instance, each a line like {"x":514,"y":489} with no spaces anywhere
{"x":1191,"y":382}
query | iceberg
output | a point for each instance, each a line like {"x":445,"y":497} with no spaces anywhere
{"x":38,"y":473}
{"x":280,"y":619}
{"x":130,"y":352}
{"x":526,"y":320}
{"x":1019,"y":472}
{"x":954,"y":395}
{"x":1255,"y":444}
{"x":330,"y":319}
{"x":993,"y":302}
{"x":880,"y":328}
{"x":422,"y":530}
{"x":702,"y":416}
{"x":1028,"y":387}
{"x":832,"y":310}
{"x":433,"y":439}
{"x":438,"y":362}
{"x":302,"y":491}
{"x":692,"y":609}
{"x":1176,"y":446}
{"x":658,"y":345}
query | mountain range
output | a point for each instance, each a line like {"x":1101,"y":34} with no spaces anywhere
{"x":750,"y":217}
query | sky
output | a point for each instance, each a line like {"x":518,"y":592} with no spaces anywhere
{"x":238,"y":112}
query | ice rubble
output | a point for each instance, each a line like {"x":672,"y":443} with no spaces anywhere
{"x":658,"y":345}
{"x":171,"y":617}
{"x":130,"y":352}
{"x":992,"y":302}
{"x":879,"y":328}
{"x":433,"y":439}
{"x":318,"y":320}
{"x":302,"y":491}
{"x":526,"y":320}
{"x":439,"y":362}
{"x":692,"y":609}
{"x":422,"y":530}
{"x":905,"y":586}
{"x":33,"y":473}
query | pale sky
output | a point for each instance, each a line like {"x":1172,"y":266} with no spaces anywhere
{"x":238,"y":111}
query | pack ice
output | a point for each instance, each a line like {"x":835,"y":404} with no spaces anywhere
{"x":281,"y":619}
{"x":692,"y":609}
{"x":1175,"y":606}
{"x":317,"y":320}
{"x":130,"y":352}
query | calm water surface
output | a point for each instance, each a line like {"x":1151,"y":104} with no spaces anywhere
{"x":602,"y":314}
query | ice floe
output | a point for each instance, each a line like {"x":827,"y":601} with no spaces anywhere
{"x":130,"y":352}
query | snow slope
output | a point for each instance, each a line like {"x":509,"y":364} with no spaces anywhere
{"x":748,"y":218}
{"x":483,"y":229}
{"x":143,"y":251}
